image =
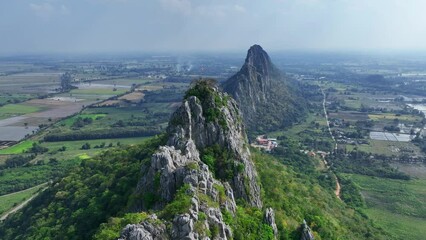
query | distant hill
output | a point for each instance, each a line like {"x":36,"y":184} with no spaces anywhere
{"x":267,"y":98}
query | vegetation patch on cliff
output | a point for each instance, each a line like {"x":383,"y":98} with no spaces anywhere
{"x":221,"y":162}
{"x":211,"y":101}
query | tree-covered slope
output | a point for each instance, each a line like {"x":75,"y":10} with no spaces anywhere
{"x":73,"y":207}
{"x":303,"y":193}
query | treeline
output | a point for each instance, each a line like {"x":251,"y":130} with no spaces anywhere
{"x":366,"y":164}
{"x":350,"y":192}
{"x":30,"y":175}
{"x":101,"y":134}
{"x":81,"y":122}
{"x":17,"y":160}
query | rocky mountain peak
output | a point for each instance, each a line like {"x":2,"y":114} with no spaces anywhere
{"x":261,"y":90}
{"x":258,"y":59}
{"x":207,"y":157}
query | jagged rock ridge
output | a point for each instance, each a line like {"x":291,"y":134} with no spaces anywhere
{"x":267,"y":98}
{"x":206,"y":118}
{"x":306,"y":232}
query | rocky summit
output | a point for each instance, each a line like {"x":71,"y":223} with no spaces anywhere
{"x":206,"y":157}
{"x":266,"y":97}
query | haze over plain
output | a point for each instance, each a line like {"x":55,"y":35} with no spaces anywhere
{"x":60,"y":26}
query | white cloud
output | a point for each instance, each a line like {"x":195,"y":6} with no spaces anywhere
{"x":47,"y":10}
{"x":42,"y":10}
{"x":177,"y":6}
{"x":240,"y":8}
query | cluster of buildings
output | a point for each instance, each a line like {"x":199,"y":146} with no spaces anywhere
{"x":263,"y":142}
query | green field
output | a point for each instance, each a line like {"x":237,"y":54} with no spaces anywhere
{"x":391,"y":116}
{"x":313,"y":129}
{"x":72,"y":146}
{"x":296,"y":129}
{"x":388,"y":148}
{"x":11,"y":110}
{"x":98,"y":91}
{"x":10,"y":98}
{"x":18,"y":148}
{"x":400,"y":226}
{"x":396,"y":205}
{"x":69,"y":121}
{"x":8,"y":201}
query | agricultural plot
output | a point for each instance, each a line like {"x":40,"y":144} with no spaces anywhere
{"x":18,"y":148}
{"x":387,"y":148}
{"x":395,"y":205}
{"x":351,"y":116}
{"x":8,"y":98}
{"x":387,"y":136}
{"x":392,"y":116}
{"x":32,"y":83}
{"x":311,"y":133}
{"x":65,"y":150}
{"x":8,"y":201}
{"x":127,"y":81}
{"x":32,"y":114}
{"x":13,"y":133}
{"x":13,"y":110}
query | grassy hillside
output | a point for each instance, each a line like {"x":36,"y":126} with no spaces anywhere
{"x":396,"y":205}
{"x":297,"y":194}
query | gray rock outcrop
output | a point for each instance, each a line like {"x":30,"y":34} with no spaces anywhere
{"x":306,"y":232}
{"x":179,"y":163}
{"x":270,"y":220}
{"x":150,"y":229}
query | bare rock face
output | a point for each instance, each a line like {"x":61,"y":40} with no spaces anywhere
{"x":306,"y":232}
{"x":206,"y":118}
{"x":149,"y":229}
{"x":229,"y":134}
{"x":270,"y":220}
{"x":260,"y":88}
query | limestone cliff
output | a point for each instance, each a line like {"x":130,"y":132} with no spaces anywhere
{"x":267,"y":98}
{"x":306,"y":232}
{"x":207,"y":155}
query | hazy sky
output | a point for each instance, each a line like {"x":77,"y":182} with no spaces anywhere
{"x":217,"y":25}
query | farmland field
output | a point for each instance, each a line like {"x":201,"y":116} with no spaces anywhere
{"x":386,"y":136}
{"x":74,"y":148}
{"x":389,"y":116}
{"x":349,"y":116}
{"x":387,"y":148}
{"x":97,"y":91}
{"x":37,"y":83}
{"x":12,"y":110}
{"x":396,"y":205}
{"x":10,"y":200}
{"x":18,"y":148}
